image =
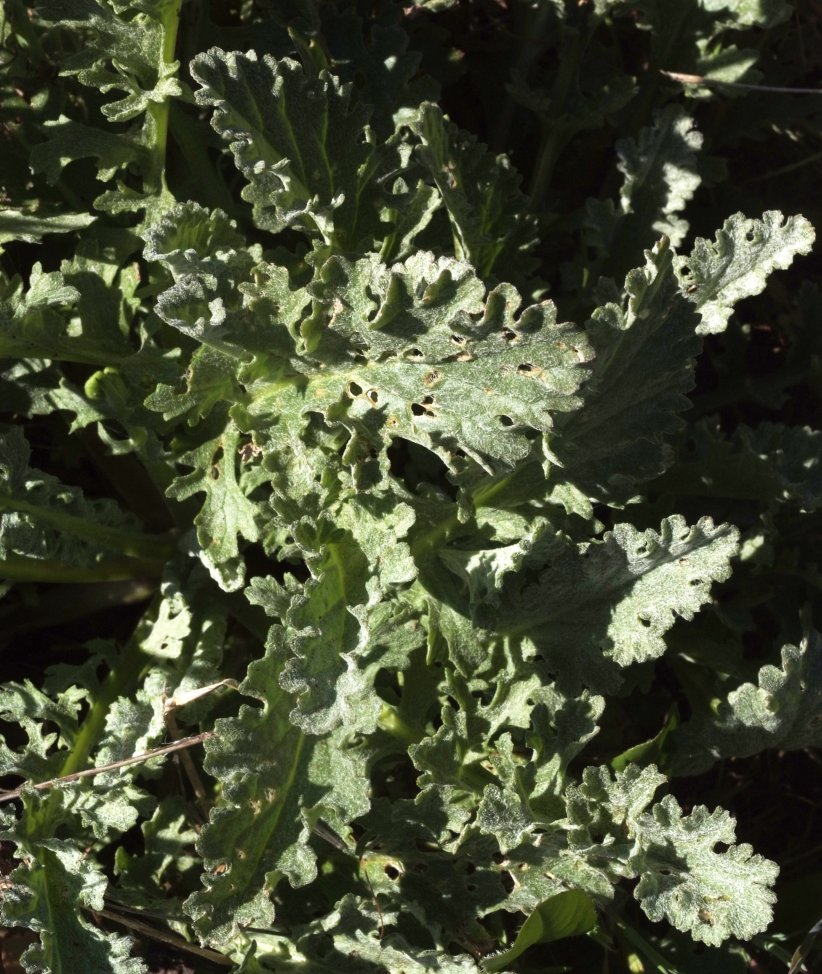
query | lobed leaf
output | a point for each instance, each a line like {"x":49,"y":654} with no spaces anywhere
{"x":589,"y":612}
{"x":782,"y":710}
{"x":227,"y":514}
{"x":712,"y":895}
{"x":46,"y":894}
{"x":277,"y":783}
{"x":659,"y":171}
{"x":334,"y":631}
{"x":53,"y":527}
{"x":736,"y":265}
{"x":304,"y":148}
{"x":420,"y":352}
{"x":493,"y":230}
{"x":682,"y":877}
{"x":644,"y":353}
{"x":125,"y":54}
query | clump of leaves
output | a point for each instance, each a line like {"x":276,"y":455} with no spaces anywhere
{"x":457,"y":582}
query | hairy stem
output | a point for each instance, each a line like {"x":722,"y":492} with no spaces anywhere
{"x":131,"y":543}
{"x":556,"y":131}
{"x":17,"y":569}
{"x":159,"y":111}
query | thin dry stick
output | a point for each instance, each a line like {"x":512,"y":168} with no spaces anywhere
{"x":164,"y":936}
{"x":170,"y":704}
{"x":200,"y":797}
{"x":7,"y":796}
{"x":698,"y":79}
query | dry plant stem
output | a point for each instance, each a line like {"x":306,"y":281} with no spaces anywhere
{"x":698,"y":79}
{"x":164,"y":936}
{"x":189,"y":769}
{"x":156,"y":752}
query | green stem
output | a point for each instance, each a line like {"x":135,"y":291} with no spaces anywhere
{"x":486,"y":492}
{"x":159,"y":111}
{"x":119,"y":682}
{"x":482,"y":496}
{"x":16,"y":569}
{"x":530,"y":52}
{"x":129,"y":543}
{"x":556,"y":132}
{"x":426,"y":541}
{"x":392,"y":722}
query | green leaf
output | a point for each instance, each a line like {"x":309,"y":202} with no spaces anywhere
{"x":81,"y":720}
{"x":356,"y":556}
{"x":493,"y":229}
{"x":567,"y":914}
{"x":77,"y":314}
{"x":751,"y":13}
{"x":448,"y":367}
{"x":782,"y":710}
{"x":276,"y":784}
{"x":377,"y":57}
{"x":189,"y":239}
{"x":46,"y":893}
{"x":417,"y":351}
{"x":607,"y":807}
{"x":736,"y":265}
{"x":69,"y":140}
{"x":304,"y":148}
{"x":227,"y":513}
{"x":33,"y":387}
{"x":609,"y":605}
{"x":44,"y":521}
{"x":712,"y":895}
{"x":770,"y":463}
{"x":30,"y":227}
{"x":645,"y":348}
{"x":118,"y":56}
{"x":209,"y":380}
{"x":31,"y":322}
{"x":353,"y":927}
{"x":659,"y":178}
{"x":695,"y":41}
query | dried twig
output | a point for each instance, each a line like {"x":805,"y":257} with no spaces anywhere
{"x":164,"y":936}
{"x":7,"y":796}
{"x":699,"y":79}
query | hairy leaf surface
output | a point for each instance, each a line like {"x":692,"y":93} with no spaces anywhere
{"x":736,"y":265}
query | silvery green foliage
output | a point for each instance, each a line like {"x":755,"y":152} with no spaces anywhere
{"x":783,"y":709}
{"x":659,"y":177}
{"x":402,"y":536}
{"x":736,"y":265}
